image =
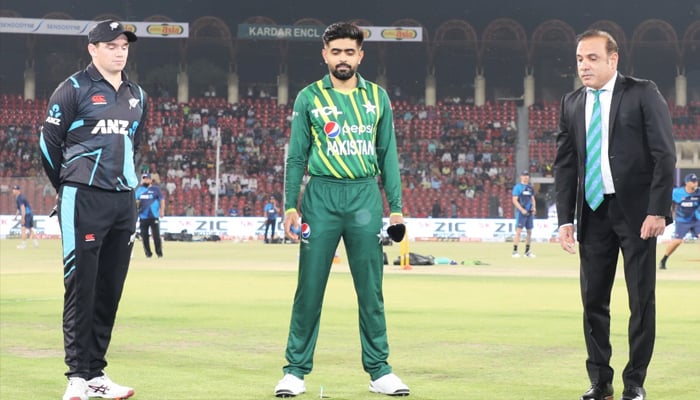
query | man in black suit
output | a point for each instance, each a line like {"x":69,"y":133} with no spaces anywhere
{"x":614,"y":170}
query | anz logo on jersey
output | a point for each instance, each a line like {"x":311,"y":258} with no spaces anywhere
{"x":111,"y":126}
{"x":54,"y":117}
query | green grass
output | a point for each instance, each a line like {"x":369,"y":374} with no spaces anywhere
{"x":209,"y":321}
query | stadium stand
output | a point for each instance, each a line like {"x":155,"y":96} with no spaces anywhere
{"x":453,"y":151}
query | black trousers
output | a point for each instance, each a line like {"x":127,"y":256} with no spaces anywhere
{"x":607,"y":232}
{"x":270,"y":223}
{"x":152,"y":224}
{"x":97,"y":230}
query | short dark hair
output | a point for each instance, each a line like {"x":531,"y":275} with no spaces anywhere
{"x":343,"y":30}
{"x":610,"y":43}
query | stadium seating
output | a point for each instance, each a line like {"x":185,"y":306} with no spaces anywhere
{"x":431,"y":141}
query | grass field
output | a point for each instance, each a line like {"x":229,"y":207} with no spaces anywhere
{"x":209,"y":321}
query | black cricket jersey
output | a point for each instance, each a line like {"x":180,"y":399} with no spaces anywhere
{"x":92,"y":132}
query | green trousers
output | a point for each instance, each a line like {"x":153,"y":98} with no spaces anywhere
{"x":351,"y":210}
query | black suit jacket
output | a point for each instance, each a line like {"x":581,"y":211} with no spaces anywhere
{"x":641,"y":151}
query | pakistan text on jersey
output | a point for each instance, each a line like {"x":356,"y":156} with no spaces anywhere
{"x":350,"y":148}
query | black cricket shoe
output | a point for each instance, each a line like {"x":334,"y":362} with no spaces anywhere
{"x":599,"y":391}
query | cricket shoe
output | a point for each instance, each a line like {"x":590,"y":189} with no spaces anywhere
{"x":602,"y":391}
{"x":634,"y":393}
{"x":77,"y":389}
{"x":530,"y":254}
{"x":102,"y":386}
{"x":289,"y":386}
{"x":389,"y":384}
{"x":515,"y":254}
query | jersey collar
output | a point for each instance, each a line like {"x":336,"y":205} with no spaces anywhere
{"x":361,"y":83}
{"x":95,"y":74}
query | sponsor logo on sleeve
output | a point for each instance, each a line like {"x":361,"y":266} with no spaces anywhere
{"x":54,"y":117}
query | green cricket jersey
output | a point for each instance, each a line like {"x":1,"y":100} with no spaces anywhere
{"x":343,"y":136}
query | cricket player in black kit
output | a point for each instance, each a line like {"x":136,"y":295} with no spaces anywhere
{"x":94,"y":124}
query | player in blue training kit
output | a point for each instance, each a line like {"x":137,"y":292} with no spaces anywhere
{"x":24,"y":211}
{"x":686,"y":202}
{"x":524,"y":202}
{"x":271,"y":210}
{"x":149,"y":200}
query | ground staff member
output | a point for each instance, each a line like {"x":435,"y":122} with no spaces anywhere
{"x":614,"y":171}
{"x":93,"y":128}
{"x":342,"y":129}
{"x":149,"y":200}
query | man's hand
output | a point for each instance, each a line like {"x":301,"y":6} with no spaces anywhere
{"x":653,"y":226}
{"x":395,"y":219}
{"x":291,"y":219}
{"x":566,"y":238}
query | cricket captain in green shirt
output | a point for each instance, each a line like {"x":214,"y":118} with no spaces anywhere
{"x":343,"y":133}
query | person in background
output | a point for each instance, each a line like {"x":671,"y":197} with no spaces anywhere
{"x":151,"y":206}
{"x":686,"y":204}
{"x":343,"y":132}
{"x":526,"y":207}
{"x":454,"y":209}
{"x":24,"y":212}
{"x":271,"y":211}
{"x":436,"y":211}
{"x":90,"y":136}
{"x":613,"y":172}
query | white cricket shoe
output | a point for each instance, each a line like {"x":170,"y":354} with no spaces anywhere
{"x":515,"y":254}
{"x":389,"y":384}
{"x":530,"y":254}
{"x":77,"y":389}
{"x":290,"y":386}
{"x":102,"y":386}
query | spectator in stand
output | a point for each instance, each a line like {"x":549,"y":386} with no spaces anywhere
{"x":153,"y":172}
{"x":455,"y":209}
{"x":435,"y":182}
{"x":195,"y":179}
{"x":248,"y":209}
{"x":170,"y":187}
{"x":436,"y":211}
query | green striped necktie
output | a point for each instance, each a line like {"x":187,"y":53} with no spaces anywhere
{"x":594,"y":140}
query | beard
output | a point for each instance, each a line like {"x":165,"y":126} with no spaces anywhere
{"x":345,"y":74}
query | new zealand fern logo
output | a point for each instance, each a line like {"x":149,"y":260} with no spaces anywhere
{"x":54,"y":115}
